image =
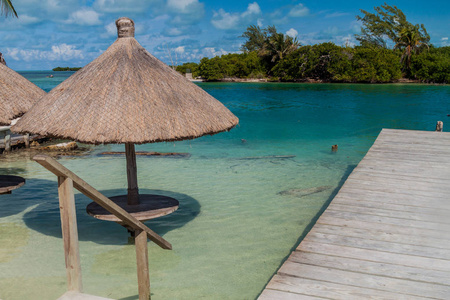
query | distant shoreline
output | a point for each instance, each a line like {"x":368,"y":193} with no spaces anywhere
{"x":311,"y":80}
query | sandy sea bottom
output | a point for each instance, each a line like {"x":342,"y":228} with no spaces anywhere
{"x":233,"y":228}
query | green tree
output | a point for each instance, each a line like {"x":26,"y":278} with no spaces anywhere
{"x":410,"y":40}
{"x":278,"y":45}
{"x":387,"y":24}
{"x":8,"y":8}
{"x":432,"y":66}
{"x":270,"y":45}
{"x":256,"y":39}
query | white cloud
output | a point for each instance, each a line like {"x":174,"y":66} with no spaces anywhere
{"x":226,"y":21}
{"x":84,"y":16}
{"x":444,"y":39}
{"x":292,"y":32}
{"x":62,"y":52}
{"x":299,"y":10}
{"x":125,"y":6}
{"x":252,"y":9}
{"x":180,"y":49}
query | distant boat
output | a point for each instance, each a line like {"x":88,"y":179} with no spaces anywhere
{"x":50,"y":76}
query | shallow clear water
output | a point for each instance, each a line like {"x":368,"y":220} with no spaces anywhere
{"x":233,"y":229}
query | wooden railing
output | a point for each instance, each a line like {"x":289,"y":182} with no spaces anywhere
{"x":68,"y":180}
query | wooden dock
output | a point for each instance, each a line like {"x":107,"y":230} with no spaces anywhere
{"x":386,"y":234}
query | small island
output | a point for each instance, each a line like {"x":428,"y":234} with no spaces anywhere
{"x":66,"y":69}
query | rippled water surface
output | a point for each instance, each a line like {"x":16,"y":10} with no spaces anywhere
{"x":246,"y":196}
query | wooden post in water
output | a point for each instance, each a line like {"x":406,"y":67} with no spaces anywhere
{"x":133,"y":190}
{"x":26,"y":139}
{"x":142,"y":264}
{"x":8,"y":142}
{"x":70,"y":233}
{"x":439,"y":126}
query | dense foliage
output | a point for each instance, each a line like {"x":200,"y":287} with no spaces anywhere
{"x":66,"y":69}
{"x":279,"y":57}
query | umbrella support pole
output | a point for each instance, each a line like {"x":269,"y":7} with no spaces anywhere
{"x":133,"y":190}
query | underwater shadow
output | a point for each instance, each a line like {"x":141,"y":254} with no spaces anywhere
{"x":26,"y":196}
{"x":45,"y":217}
{"x":308,"y":228}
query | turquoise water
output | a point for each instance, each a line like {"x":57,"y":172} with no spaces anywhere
{"x":233,"y":228}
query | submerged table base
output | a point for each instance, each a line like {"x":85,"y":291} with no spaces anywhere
{"x":150,"y":207}
{"x":9,"y":183}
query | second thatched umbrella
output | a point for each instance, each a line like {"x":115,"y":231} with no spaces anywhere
{"x":17,"y":95}
{"x":128,"y":96}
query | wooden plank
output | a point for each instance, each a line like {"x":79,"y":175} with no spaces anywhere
{"x":376,"y":256}
{"x":387,"y":220}
{"x":368,"y":267}
{"x":70,"y":234}
{"x":59,"y":170}
{"x":142,"y":264}
{"x":374,"y":233}
{"x":436,"y":218}
{"x":369,"y":203}
{"x":383,"y":197}
{"x":389,"y":228}
{"x":281,"y":295}
{"x":370,"y":281}
{"x":391,"y":247}
{"x":328,"y":290}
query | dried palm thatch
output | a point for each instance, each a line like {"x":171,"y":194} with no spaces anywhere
{"x":17,"y":95}
{"x":127,"y":95}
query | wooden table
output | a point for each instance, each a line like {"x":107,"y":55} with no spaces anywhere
{"x":150,"y":207}
{"x":9,"y":183}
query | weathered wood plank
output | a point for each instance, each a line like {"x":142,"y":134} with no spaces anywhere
{"x":368,"y":267}
{"x":376,"y":256}
{"x":142,"y":265}
{"x":70,"y":234}
{"x":378,"y":203}
{"x":391,"y":247}
{"x":328,"y":290}
{"x":436,"y":218}
{"x":380,"y":235}
{"x":382,"y":283}
{"x":282,"y":295}
{"x":389,"y":228}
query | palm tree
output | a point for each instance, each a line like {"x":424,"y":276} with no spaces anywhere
{"x":278,"y":45}
{"x":411,"y":40}
{"x":8,"y":8}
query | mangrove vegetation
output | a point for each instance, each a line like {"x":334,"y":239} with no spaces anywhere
{"x":390,"y":49}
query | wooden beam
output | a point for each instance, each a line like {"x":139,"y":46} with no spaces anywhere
{"x":142,"y":264}
{"x":59,"y":170}
{"x":70,"y":233}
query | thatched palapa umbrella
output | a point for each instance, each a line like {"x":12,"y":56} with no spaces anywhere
{"x":17,"y":95}
{"x":128,"y":96}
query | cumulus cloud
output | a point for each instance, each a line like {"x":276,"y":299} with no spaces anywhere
{"x":84,"y":16}
{"x":299,"y":10}
{"x":229,"y":21}
{"x":62,"y":52}
{"x":444,"y":41}
{"x":292,"y":32}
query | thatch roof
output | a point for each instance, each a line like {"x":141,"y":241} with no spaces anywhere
{"x":127,"y":95}
{"x":17,"y":95}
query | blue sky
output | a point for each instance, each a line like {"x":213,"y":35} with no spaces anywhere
{"x":52,"y":33}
